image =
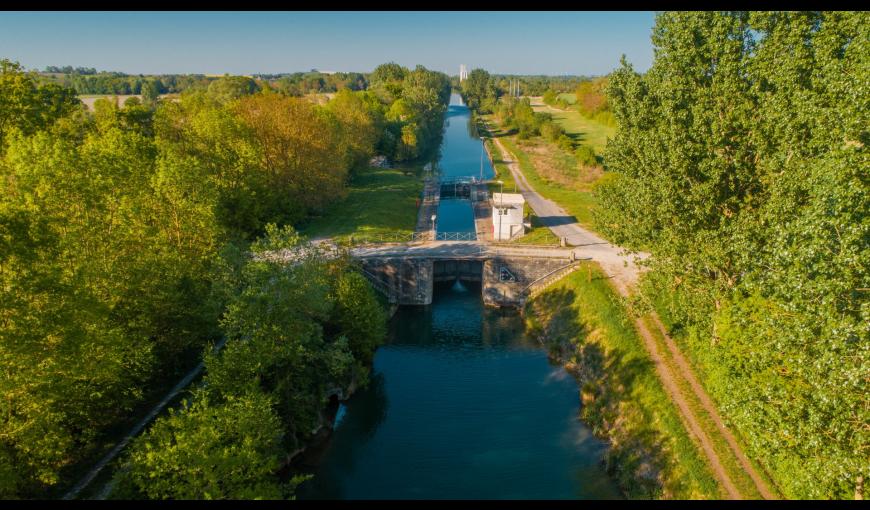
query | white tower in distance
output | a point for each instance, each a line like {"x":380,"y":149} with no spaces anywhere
{"x":463,"y":73}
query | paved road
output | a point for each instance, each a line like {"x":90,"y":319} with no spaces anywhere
{"x":588,"y":245}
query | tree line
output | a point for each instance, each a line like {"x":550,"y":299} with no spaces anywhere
{"x":125,"y":240}
{"x":124,"y":84}
{"x":89,"y":81}
{"x":740,"y":163}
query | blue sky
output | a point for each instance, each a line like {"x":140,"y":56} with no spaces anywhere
{"x":272,"y":42}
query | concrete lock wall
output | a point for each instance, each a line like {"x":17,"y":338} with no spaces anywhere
{"x":503,"y":279}
{"x":409,"y":281}
{"x":449,"y":270}
{"x":519,"y":271}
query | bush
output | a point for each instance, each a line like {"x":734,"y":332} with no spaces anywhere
{"x":551,"y":131}
{"x":586,"y":156}
{"x":550,"y":97}
{"x":565,"y":143}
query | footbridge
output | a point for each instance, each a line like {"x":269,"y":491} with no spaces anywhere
{"x":508,"y":275}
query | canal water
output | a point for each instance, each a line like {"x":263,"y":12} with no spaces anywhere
{"x":461,"y":404}
{"x":462,"y":155}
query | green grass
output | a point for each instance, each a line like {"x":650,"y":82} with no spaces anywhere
{"x":576,"y":203}
{"x":584,"y":312}
{"x":583,"y":130}
{"x":569,"y":98}
{"x":539,"y":234}
{"x":379,"y":201}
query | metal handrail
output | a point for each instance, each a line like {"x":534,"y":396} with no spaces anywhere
{"x":542,"y":282}
{"x":456,"y":236}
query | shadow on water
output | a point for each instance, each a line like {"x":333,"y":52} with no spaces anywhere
{"x":611,"y":378}
{"x":365,"y":412}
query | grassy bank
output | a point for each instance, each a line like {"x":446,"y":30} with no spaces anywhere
{"x":577,"y":203}
{"x":583,"y":322}
{"x":380,"y":201}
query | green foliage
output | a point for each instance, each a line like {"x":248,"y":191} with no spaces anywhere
{"x":90,"y":82}
{"x":27,"y":106}
{"x":551,"y":131}
{"x":296,"y":330}
{"x":102,"y":289}
{"x":550,"y":97}
{"x":479,"y":90}
{"x":232,"y":87}
{"x":415,"y":116}
{"x":123,"y":236}
{"x":209,"y":450}
{"x":585,"y":155}
{"x":358,"y":315}
{"x":299,"y":84}
{"x":518,"y":115}
{"x":745,"y":175}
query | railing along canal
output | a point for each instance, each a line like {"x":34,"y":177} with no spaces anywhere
{"x":401,"y":237}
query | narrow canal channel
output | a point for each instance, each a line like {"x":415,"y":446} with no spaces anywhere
{"x":462,"y":155}
{"x":461,"y":403}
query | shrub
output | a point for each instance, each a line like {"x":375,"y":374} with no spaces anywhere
{"x":551,"y":131}
{"x":586,"y":156}
{"x":564,"y":142}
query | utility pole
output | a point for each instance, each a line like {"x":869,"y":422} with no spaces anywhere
{"x":481,"y":159}
{"x":500,"y":207}
{"x":433,"y":228}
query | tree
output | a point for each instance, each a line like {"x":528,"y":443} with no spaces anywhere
{"x":740,"y":171}
{"x":358,"y":315}
{"x":359,"y":123}
{"x":26,"y":106}
{"x":150,"y":91}
{"x":209,"y":450}
{"x":297,"y":148}
{"x":232,"y":87}
{"x":477,"y":88}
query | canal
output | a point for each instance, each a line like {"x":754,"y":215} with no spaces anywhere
{"x":461,"y":403}
{"x":462,"y":155}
